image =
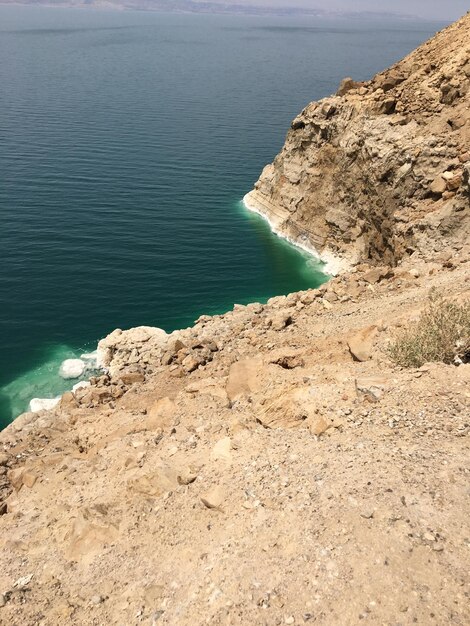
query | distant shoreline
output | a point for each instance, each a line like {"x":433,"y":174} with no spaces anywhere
{"x":189,"y":7}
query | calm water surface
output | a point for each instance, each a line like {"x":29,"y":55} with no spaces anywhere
{"x":126,"y":143}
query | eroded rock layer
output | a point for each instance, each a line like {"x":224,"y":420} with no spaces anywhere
{"x":381,"y":168}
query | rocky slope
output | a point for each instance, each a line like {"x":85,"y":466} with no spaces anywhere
{"x":381,"y":168}
{"x":270,"y":465}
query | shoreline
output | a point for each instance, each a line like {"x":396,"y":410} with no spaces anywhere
{"x":333,"y":265}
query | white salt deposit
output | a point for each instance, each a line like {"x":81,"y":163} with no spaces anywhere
{"x":72,"y":368}
{"x":81,"y":385}
{"x":43,"y":404}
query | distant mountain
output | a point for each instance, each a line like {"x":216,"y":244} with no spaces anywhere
{"x":196,"y":6}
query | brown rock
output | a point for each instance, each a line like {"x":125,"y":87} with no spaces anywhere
{"x":347,"y":84}
{"x":360,"y":344}
{"x":243,"y":378}
{"x":29,"y":479}
{"x":317,"y":425}
{"x":213,"y":498}
{"x":373,"y":387}
{"x":191,"y":363}
{"x":130,"y":378}
{"x":68,"y":401}
{"x":377,"y":274}
{"x":279,"y":320}
{"x":160,"y":414}
{"x":438,"y":186}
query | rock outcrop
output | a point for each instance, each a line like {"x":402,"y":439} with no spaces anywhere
{"x":381,"y":169}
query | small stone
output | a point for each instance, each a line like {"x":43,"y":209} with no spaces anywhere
{"x":23,"y":582}
{"x":360,"y":344}
{"x":97,"y":599}
{"x":129,"y":378}
{"x":438,"y":186}
{"x":2,"y":600}
{"x":289,"y":620}
{"x":367,"y":513}
{"x":221,"y":450}
{"x":318,"y":425}
{"x":29,"y":479}
{"x":213,"y":498}
{"x":191,"y":363}
{"x":186,"y":478}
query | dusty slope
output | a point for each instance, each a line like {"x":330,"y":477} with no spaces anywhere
{"x":250,"y":470}
{"x":341,"y":498}
{"x":383,"y":168}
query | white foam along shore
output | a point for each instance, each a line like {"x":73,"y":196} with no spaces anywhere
{"x":70,"y":369}
{"x":333,"y":265}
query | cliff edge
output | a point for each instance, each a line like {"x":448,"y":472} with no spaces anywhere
{"x":381,"y":169}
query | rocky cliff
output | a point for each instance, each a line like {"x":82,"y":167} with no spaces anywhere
{"x":382,"y":168}
{"x":272,"y":465}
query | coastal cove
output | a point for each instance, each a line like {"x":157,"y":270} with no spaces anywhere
{"x":123,"y":165}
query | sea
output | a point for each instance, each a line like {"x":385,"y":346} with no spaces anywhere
{"x":127,"y":142}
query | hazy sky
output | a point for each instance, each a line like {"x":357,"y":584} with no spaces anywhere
{"x":433,"y":9}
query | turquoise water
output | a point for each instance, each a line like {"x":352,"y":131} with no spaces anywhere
{"x":126,"y":143}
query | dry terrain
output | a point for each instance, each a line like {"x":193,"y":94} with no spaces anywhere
{"x":272,"y":465}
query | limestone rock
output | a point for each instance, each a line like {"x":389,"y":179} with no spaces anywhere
{"x":438,"y":186}
{"x":243,"y":378}
{"x":130,"y":378}
{"x":372,"y":388}
{"x":160,"y":414}
{"x":222,"y":450}
{"x":347,"y":84}
{"x":360,"y":344}
{"x":213,"y":498}
{"x":355,"y":162}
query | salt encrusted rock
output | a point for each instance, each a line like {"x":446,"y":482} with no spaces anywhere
{"x":122,"y":348}
{"x":72,"y":368}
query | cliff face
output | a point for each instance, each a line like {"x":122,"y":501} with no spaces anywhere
{"x":382,"y":168}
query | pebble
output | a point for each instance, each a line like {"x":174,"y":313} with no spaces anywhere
{"x":213,"y":498}
{"x":97,"y":599}
{"x":2,"y":600}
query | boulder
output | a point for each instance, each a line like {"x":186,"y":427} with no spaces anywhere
{"x":130,"y":378}
{"x":222,"y":450}
{"x":347,"y":84}
{"x":213,"y":498}
{"x":279,"y":320}
{"x":243,"y":378}
{"x":360,"y":344}
{"x":160,"y":414}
